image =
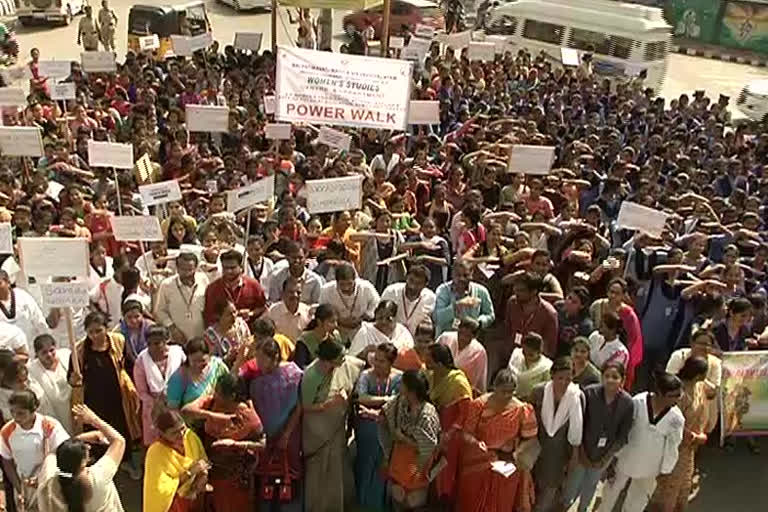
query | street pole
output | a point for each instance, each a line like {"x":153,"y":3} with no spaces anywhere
{"x":385,"y":28}
{"x":274,"y":27}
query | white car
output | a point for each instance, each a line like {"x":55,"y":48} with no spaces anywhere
{"x":247,"y":5}
{"x":61,"y":11}
{"x":753,"y":100}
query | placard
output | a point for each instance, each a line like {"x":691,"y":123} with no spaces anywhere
{"x":54,"y":68}
{"x":340,"y":89}
{"x":531,"y":159}
{"x":6,"y":238}
{"x":204,"y":118}
{"x":21,"y":141}
{"x":63,"y":91}
{"x":570,"y":57}
{"x":482,"y":51}
{"x":200,"y":42}
{"x":501,"y":42}
{"x":424,"y":31}
{"x":158,"y":193}
{"x":334,"y":194}
{"x":397,"y":43}
{"x":420,"y":45}
{"x":110,"y":154}
{"x":334,"y":138}
{"x":65,"y":257}
{"x":277,"y":131}
{"x":424,"y":112}
{"x":249,"y":195}
{"x":151,"y":42}
{"x":248,"y":40}
{"x":269,"y":104}
{"x":65,"y":295}
{"x":460,"y":40}
{"x":11,"y":75}
{"x":144,"y":168}
{"x":744,"y":395}
{"x":181,"y":46}
{"x":128,"y":228}
{"x":641,"y":218}
{"x":12,"y":96}
{"x":98,"y":62}
{"x":411,"y":54}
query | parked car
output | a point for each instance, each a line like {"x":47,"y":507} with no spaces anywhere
{"x":248,"y":5}
{"x":405,"y":13}
{"x":61,"y":11}
{"x":753,"y":100}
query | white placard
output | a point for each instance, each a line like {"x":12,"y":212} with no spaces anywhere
{"x":340,"y":89}
{"x":570,"y":57}
{"x":334,"y":194}
{"x":98,"y":62}
{"x":212,"y":186}
{"x":531,"y":159}
{"x":21,"y":141}
{"x":269,"y":104}
{"x":278,"y":131}
{"x":248,"y":40}
{"x":54,"y":68}
{"x":410,"y":53}
{"x":12,"y":96}
{"x":641,"y":218}
{"x":140,"y":227}
{"x":159,"y":193}
{"x":151,"y":42}
{"x":424,"y":31}
{"x":63,"y":91}
{"x":482,"y":51}
{"x":396,"y":42}
{"x":501,"y":43}
{"x":181,"y":46}
{"x":65,"y":257}
{"x":64,"y":295}
{"x":11,"y":75}
{"x":424,"y":112}
{"x":200,"y":42}
{"x":204,"y":118}
{"x":334,"y":138}
{"x":420,"y":45}
{"x":110,"y":154}
{"x":249,"y":195}
{"x":6,"y":240}
{"x":460,"y":40}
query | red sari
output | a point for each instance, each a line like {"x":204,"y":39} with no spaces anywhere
{"x":479,"y":488}
{"x":634,"y":343}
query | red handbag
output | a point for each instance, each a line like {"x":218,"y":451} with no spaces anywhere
{"x":280,"y":477}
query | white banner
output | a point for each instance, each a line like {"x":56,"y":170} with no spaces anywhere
{"x":65,"y":257}
{"x":110,"y":154}
{"x":63,"y":91}
{"x":203,"y":118}
{"x":12,"y":96}
{"x":570,"y":56}
{"x":531,"y":159}
{"x":249,"y":195}
{"x":151,"y":42}
{"x":128,"y":228}
{"x":64,"y":295}
{"x":98,"y":62}
{"x":159,"y":193}
{"x":54,"y":68}
{"x":641,"y":218}
{"x":334,"y":138}
{"x":21,"y":141}
{"x":334,"y":194}
{"x":341,"y":89}
{"x":248,"y":40}
{"x":485,"y":52}
{"x":6,"y":238}
{"x":424,"y":112}
{"x":278,"y":131}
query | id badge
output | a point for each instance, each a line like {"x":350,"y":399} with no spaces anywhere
{"x":602,"y":442}
{"x":518,"y":339}
{"x":455,"y":323}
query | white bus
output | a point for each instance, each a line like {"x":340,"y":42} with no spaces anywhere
{"x":625,"y":38}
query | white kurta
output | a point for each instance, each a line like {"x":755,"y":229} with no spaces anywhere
{"x":363,"y":301}
{"x":29,"y":317}
{"x":410,"y":313}
{"x":368,"y":335}
{"x":54,"y":386}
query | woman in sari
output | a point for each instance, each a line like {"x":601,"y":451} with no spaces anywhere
{"x":468,"y":353}
{"x":672,"y":490}
{"x":614,"y":303}
{"x":497,"y":424}
{"x":451,"y":393}
{"x":106,"y":387}
{"x":325,"y":390}
{"x":233,"y":434}
{"x":378,"y":254}
{"x":383,"y":329}
{"x":196,"y":377}
{"x":377,"y":386}
{"x":176,"y":468}
{"x":225,"y":335}
{"x":529,"y":364}
{"x":320,"y":328}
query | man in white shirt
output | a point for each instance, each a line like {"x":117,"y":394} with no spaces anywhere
{"x":49,"y":369}
{"x":354,"y":300}
{"x":295,"y":266}
{"x":17,"y":307}
{"x":180,"y":300}
{"x":415,"y":302}
{"x":14,"y":339}
{"x":155,"y":264}
{"x":257,"y":266}
{"x":290,"y":315}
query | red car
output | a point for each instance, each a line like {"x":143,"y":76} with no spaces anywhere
{"x":404,"y":13}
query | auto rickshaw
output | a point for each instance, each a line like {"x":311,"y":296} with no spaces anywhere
{"x":165,"y":21}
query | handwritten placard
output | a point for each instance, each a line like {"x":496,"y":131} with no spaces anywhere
{"x":110,"y":154}
{"x":6,"y":240}
{"x":12,"y":96}
{"x":63,"y":91}
{"x":531,"y":159}
{"x":334,"y":138}
{"x":334,"y":194}
{"x":21,"y":141}
{"x":570,"y":56}
{"x":204,"y":118}
{"x":482,"y":51}
{"x":641,"y":218}
{"x":420,"y":46}
{"x":181,"y":46}
{"x":424,"y":112}
{"x":278,"y":131}
{"x":64,"y":295}
{"x":54,"y":68}
{"x":151,"y":42}
{"x":140,"y":227}
{"x":249,"y":195}
{"x":424,"y":31}
{"x":98,"y":62}
{"x":460,"y":40}
{"x":396,"y":42}
{"x":158,"y":193}
{"x":65,"y":257}
{"x":201,"y":42}
{"x":248,"y":40}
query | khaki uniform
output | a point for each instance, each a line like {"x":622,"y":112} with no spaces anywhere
{"x":88,"y":34}
{"x":107,"y":23}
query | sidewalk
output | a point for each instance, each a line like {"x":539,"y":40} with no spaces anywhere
{"x":713,"y":51}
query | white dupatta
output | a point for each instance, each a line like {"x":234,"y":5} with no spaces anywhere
{"x":569,"y":409}
{"x":156,"y":381}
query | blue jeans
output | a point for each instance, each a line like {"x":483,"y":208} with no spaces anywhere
{"x":581,"y":484}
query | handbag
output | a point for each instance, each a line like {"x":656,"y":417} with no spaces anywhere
{"x":527,"y":453}
{"x":280,"y":483}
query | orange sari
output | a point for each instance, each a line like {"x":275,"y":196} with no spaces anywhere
{"x":480,"y":489}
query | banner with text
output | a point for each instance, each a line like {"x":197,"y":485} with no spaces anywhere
{"x":21,"y":141}
{"x":249,"y":195}
{"x":744,"y":394}
{"x":129,"y":228}
{"x":110,"y":154}
{"x":341,"y":89}
{"x":334,"y":194}
{"x":63,"y":295}
{"x":65,"y":257}
{"x":207,"y":118}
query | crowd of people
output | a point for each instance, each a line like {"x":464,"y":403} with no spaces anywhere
{"x":470,"y":339}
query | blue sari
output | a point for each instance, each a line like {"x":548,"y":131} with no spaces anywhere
{"x":371,"y":487}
